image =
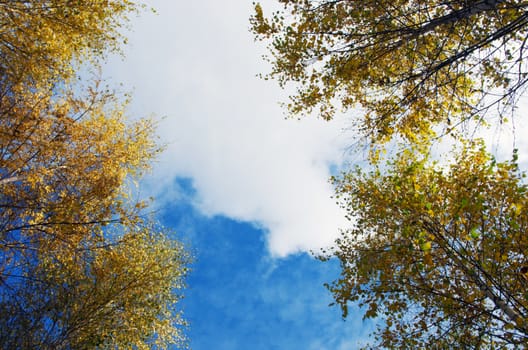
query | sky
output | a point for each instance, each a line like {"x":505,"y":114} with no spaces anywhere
{"x":239,"y":297}
{"x":246,"y":189}
{"x":194,"y":64}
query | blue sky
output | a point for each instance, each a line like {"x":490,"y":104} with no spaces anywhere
{"x":239,"y":297}
{"x":246,"y":189}
{"x":194,"y":66}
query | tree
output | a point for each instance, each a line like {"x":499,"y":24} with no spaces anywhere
{"x":409,"y":65}
{"x":65,"y":162}
{"x":438,"y":254}
{"x":80,"y":266}
{"x":101,"y":294}
{"x":40,"y":40}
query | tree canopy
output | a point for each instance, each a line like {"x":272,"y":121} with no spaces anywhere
{"x":81,"y":264}
{"x":99,"y":293}
{"x":435,"y":252}
{"x":438,"y":254}
{"x":40,"y":41}
{"x":409,"y":65}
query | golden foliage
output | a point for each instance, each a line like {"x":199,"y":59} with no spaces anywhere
{"x":437,"y":253}
{"x":40,"y":39}
{"x":65,"y":160}
{"x":409,"y":65}
{"x":80,"y":267}
{"x":90,"y":270}
{"x":102,"y":293}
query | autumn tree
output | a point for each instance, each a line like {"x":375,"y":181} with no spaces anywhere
{"x":408,"y":65}
{"x":100,"y":294}
{"x":65,"y":160}
{"x":80,"y":265}
{"x":41,"y":40}
{"x":437,"y":254}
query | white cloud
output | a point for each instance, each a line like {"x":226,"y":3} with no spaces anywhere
{"x":195,"y":63}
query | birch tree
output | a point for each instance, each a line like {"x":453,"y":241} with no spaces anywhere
{"x":416,"y":69}
{"x":80,"y":265}
{"x":436,"y":254}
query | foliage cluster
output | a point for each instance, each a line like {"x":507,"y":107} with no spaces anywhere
{"x":408,"y":64}
{"x":80,"y":266}
{"x":437,"y":253}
